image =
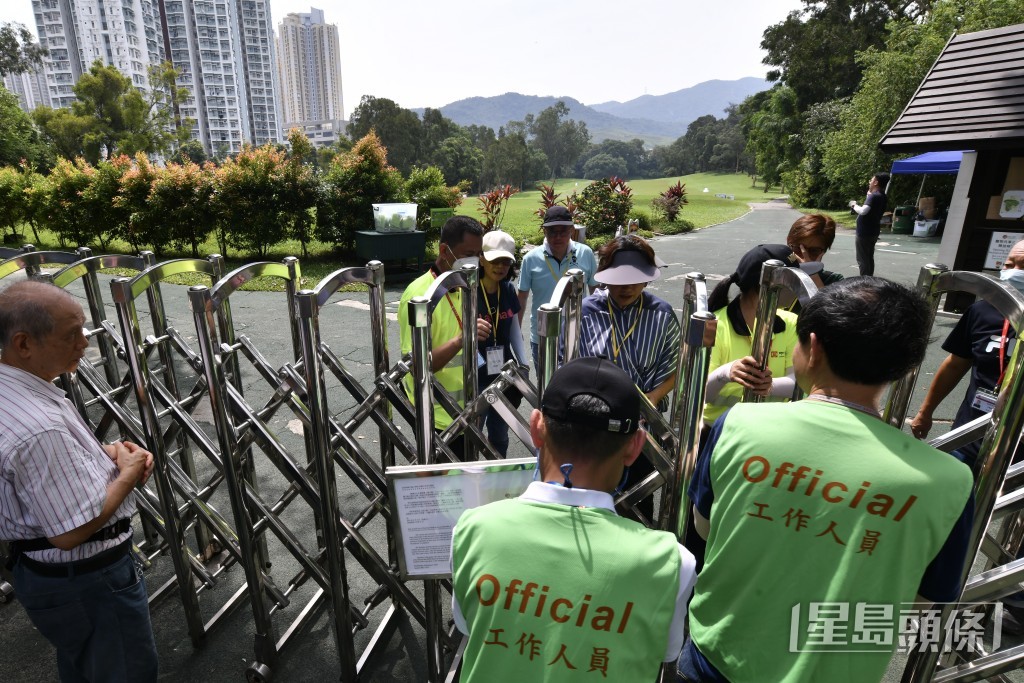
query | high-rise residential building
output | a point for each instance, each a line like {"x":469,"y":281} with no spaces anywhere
{"x":223,"y":50}
{"x":309,"y":67}
{"x":30,"y":88}
{"x":224,"y":53}
{"x":124,"y":33}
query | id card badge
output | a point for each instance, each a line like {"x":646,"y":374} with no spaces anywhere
{"x":495,"y":359}
{"x":984,"y":400}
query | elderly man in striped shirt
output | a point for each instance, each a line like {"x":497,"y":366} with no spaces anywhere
{"x":65,"y":499}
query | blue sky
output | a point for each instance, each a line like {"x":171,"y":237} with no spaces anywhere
{"x":432,"y":53}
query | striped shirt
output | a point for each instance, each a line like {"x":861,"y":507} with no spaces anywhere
{"x":649,"y":352}
{"x":54,"y":473}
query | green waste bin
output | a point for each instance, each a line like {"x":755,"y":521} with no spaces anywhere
{"x":903,"y":220}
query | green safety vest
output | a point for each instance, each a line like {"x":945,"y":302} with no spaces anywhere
{"x":817,"y":504}
{"x":444,"y":324}
{"x":558,"y":593}
{"x":730,"y":346}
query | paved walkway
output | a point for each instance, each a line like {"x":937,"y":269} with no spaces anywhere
{"x":714,"y":251}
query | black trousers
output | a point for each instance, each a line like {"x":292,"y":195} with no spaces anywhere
{"x":866,"y":254}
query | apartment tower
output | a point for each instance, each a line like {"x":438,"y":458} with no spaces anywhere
{"x":309,"y":67}
{"x":222,"y":49}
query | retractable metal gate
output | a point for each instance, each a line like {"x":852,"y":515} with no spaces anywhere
{"x":148,"y":382}
{"x":998,"y":489}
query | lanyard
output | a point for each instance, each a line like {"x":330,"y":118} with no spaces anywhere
{"x":497,"y":310}
{"x":617,"y":346}
{"x":561,"y":270}
{"x":1002,"y":352}
{"x":448,"y":298}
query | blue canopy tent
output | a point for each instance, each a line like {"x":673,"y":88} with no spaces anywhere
{"x":930,"y":162}
{"x":934,"y":163}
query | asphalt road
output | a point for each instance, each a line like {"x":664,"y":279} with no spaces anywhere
{"x":311,"y":653}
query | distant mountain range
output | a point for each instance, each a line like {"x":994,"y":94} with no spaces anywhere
{"x":656,"y":119}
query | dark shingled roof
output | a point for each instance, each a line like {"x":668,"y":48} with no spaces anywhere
{"x":973,"y":97}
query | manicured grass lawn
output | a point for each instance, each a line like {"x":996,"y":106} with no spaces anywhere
{"x":703,"y":209}
{"x":520,"y":220}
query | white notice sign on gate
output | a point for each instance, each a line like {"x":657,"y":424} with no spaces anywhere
{"x":427,"y":500}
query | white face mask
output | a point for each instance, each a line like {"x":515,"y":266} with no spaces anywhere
{"x":1014,"y":276}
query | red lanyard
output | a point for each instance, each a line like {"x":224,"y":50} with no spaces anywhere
{"x":448,"y":298}
{"x":1002,"y":352}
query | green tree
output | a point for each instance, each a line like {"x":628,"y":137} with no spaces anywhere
{"x":729,"y":153}
{"x":64,"y":131}
{"x":508,"y":159}
{"x":891,"y":77}
{"x":482,"y":136}
{"x":603,"y":205}
{"x":65,"y":213}
{"x":459,"y":159}
{"x":18,"y":50}
{"x":774,"y":136}
{"x":356,"y":180}
{"x":428,"y":189}
{"x":33,"y":187}
{"x":807,"y":183}
{"x":105,"y":217}
{"x":12,"y":202}
{"x":814,"y":50}
{"x":144,"y":220}
{"x":434,"y":130}
{"x":638,"y":159}
{"x":189,"y":151}
{"x":248,"y":202}
{"x":299,"y":189}
{"x":398,"y":129}
{"x":18,"y":137}
{"x":604,"y":166}
{"x":182,"y":205}
{"x":111,"y":116}
{"x":562,"y":141}
{"x":700,"y":140}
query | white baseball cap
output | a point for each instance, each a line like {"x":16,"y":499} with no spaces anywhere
{"x":498,"y":245}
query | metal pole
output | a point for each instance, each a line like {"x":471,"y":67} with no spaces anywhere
{"x":695,"y":298}
{"x":136,"y":357}
{"x":761,"y":337}
{"x":898,"y":402}
{"x":95,"y":299}
{"x":469,"y":348}
{"x":381,"y":365}
{"x":997,"y":450}
{"x":308,"y":323}
{"x":548,"y":317}
{"x":574,"y":314}
{"x":203,"y":313}
{"x":419,"y":321}
{"x":697,"y":350}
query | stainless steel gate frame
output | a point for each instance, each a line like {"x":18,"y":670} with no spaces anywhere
{"x":78,"y":264}
{"x":687,"y":416}
{"x":775,"y":277}
{"x":240,"y":427}
{"x":184,"y":496}
{"x":334,"y":441}
{"x":998,"y":493}
{"x":111,"y":389}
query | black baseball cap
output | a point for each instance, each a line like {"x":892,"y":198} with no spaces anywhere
{"x":748,"y":272}
{"x":600,"y":378}
{"x":557,"y":215}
